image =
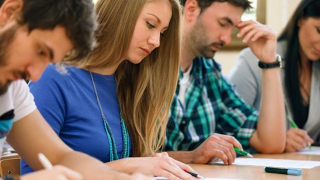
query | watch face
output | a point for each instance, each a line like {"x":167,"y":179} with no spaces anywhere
{"x":279,"y":59}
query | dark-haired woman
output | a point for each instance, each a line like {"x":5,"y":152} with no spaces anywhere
{"x":299,"y":45}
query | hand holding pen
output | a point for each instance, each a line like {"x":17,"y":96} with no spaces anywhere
{"x":52,"y":173}
{"x":164,"y":166}
{"x":242,"y":152}
{"x":296,"y":139}
{"x":216,"y":146}
{"x":191,"y":173}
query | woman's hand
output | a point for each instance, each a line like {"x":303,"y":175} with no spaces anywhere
{"x":160,"y":165}
{"x":63,"y":173}
{"x":297,"y":139}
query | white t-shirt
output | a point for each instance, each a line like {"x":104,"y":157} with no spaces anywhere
{"x":15,"y":104}
{"x":184,"y":84}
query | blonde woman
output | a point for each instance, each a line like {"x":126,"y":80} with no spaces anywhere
{"x":117,"y":106}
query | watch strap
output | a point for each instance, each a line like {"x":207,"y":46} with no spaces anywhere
{"x":275,"y":64}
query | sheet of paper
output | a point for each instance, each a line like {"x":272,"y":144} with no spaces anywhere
{"x":162,"y":178}
{"x":274,"y":163}
{"x":220,"y":179}
{"x":312,"y":151}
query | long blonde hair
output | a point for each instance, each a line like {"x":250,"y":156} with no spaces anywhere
{"x":145,"y":90}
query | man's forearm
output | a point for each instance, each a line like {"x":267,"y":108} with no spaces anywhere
{"x":270,"y":132}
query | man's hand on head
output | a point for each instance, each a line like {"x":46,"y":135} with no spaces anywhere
{"x":260,"y":38}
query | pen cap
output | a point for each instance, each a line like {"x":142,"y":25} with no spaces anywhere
{"x":295,"y":172}
{"x":289,"y":171}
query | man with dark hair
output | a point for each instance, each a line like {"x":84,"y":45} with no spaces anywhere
{"x":76,"y":24}
{"x":34,"y":33}
{"x":208,"y":118}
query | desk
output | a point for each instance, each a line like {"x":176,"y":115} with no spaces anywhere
{"x":10,"y":164}
{"x":257,"y":172}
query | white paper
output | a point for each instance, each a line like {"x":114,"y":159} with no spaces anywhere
{"x":312,"y":151}
{"x":222,"y":179}
{"x":162,"y":178}
{"x":282,"y":163}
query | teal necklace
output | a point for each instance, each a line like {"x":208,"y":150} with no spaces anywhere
{"x":112,"y":144}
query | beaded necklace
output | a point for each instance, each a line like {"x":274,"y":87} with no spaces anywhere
{"x":112,"y":144}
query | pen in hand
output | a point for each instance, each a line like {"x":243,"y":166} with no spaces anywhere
{"x":44,"y":161}
{"x":294,"y":125}
{"x":242,"y":152}
{"x":194,"y":175}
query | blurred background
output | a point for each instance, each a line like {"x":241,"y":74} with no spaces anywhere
{"x":274,"y":13}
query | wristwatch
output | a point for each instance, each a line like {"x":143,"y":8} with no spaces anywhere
{"x":277,"y":63}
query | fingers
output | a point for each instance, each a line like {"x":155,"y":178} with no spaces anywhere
{"x":138,"y":176}
{"x":228,"y":151}
{"x":245,"y":30}
{"x":158,"y":154}
{"x":303,"y":134}
{"x":310,"y":141}
{"x":222,"y":147}
{"x":297,"y":139}
{"x":252,"y":30}
{"x":168,"y":175}
{"x":231,"y":140}
{"x":172,"y":170}
{"x":293,"y":146}
{"x":250,"y":36}
{"x":183,"y":166}
{"x":221,"y":155}
{"x":216,"y":146}
{"x":245,"y":23}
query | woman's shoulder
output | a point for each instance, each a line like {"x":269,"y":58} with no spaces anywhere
{"x":316,"y":70}
{"x":247,"y":61}
{"x":247,"y":55}
{"x":59,"y":73}
{"x":55,"y":75}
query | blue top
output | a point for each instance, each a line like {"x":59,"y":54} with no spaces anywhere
{"x":68,"y":103}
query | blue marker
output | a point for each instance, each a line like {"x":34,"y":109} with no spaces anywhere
{"x":289,"y":171}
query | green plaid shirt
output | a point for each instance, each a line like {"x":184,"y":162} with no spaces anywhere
{"x":212,"y":106}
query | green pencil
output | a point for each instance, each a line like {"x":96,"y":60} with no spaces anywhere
{"x":294,"y":125}
{"x":242,"y":152}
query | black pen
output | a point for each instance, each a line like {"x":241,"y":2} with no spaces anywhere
{"x":194,"y":175}
{"x":289,"y":171}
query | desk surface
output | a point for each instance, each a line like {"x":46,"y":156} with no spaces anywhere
{"x":257,"y":172}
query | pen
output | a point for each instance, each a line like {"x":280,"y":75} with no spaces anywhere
{"x":289,"y":171}
{"x":242,"y":152}
{"x":294,"y":125}
{"x":44,"y":161}
{"x":194,"y":174}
